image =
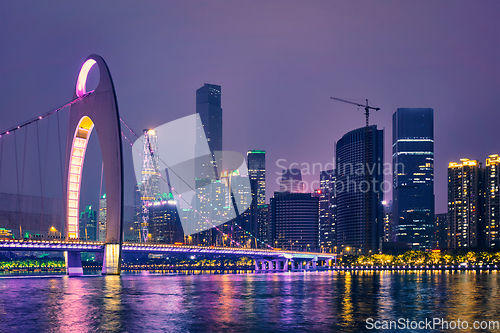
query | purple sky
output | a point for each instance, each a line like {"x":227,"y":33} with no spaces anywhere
{"x":278,"y":62}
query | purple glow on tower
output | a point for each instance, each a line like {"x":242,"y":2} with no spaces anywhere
{"x":82,"y":77}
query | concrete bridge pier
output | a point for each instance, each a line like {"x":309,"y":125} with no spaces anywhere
{"x":73,"y":261}
{"x":111,"y":263}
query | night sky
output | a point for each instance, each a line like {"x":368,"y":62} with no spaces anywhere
{"x":278,"y":63}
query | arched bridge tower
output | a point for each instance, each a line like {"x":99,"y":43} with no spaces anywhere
{"x":98,"y":110}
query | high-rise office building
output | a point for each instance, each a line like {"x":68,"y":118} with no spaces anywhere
{"x":359,"y":190}
{"x":264,"y":226}
{"x":413,"y":176}
{"x":208,"y":166}
{"x":442,"y":233}
{"x":209,"y":112}
{"x":291,"y":181}
{"x":256,"y":160}
{"x":87,"y":226}
{"x":103,"y":212}
{"x":164,"y":222}
{"x":492,"y":202}
{"x":388,"y":223}
{"x":150,"y":185}
{"x":327,"y":211}
{"x":464,"y":203}
{"x":294,"y":221}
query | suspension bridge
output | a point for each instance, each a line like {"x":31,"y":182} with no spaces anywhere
{"x":99,"y":109}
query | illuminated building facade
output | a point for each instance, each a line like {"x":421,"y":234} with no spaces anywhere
{"x":291,"y":181}
{"x":88,"y":224}
{"x":443,"y":233}
{"x":164,"y":222}
{"x":492,"y":201}
{"x":102,"y":218}
{"x":208,"y":166}
{"x":150,"y":184}
{"x":464,"y":203}
{"x":264,"y":225}
{"x":256,"y":160}
{"x":359,"y":190}
{"x":209,"y":112}
{"x":327,"y":211}
{"x":413,"y":176}
{"x":294,"y":221}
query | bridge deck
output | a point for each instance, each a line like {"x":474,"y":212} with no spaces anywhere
{"x":82,"y":246}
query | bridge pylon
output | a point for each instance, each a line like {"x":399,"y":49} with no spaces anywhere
{"x":98,"y":109}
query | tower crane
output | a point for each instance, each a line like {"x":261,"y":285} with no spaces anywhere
{"x":367,"y":107}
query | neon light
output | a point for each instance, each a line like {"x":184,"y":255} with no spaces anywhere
{"x":82,"y":77}
{"x":78,"y":148}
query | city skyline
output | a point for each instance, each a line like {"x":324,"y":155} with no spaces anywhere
{"x":454,"y":70}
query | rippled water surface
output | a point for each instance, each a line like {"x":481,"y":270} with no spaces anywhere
{"x":286,"y":302}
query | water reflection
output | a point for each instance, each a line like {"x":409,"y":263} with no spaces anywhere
{"x":284,"y":302}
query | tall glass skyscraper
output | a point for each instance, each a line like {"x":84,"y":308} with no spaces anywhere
{"x":413,"y":176}
{"x":256,"y":160}
{"x":208,"y":167}
{"x":465,"y":192}
{"x":327,"y":211}
{"x":88,"y":224}
{"x":294,"y":221}
{"x":209,"y":112}
{"x":359,"y":190}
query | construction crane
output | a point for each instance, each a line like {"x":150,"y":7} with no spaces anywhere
{"x":367,"y":107}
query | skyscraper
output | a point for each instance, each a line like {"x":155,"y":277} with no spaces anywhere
{"x":102,"y":218}
{"x":87,"y":226}
{"x":208,"y":167}
{"x":492,"y":201}
{"x":264,"y":225}
{"x":464,"y":203}
{"x":150,"y":185}
{"x":294,"y":221}
{"x":359,"y":190}
{"x":327,"y":211}
{"x":413,"y":176}
{"x":291,"y":181}
{"x":257,"y":172}
{"x":209,"y":112}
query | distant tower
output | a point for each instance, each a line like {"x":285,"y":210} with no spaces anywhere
{"x":150,"y":185}
{"x":492,"y":201}
{"x":88,"y":230}
{"x":137,"y":212}
{"x":164,"y":221}
{"x":413,"y":176}
{"x":102,"y":218}
{"x":291,"y":181}
{"x":464,"y":203}
{"x":359,"y":198}
{"x":327,"y":211}
{"x":209,"y":112}
{"x":294,"y":221}
{"x":207,"y":167}
{"x":256,"y":160}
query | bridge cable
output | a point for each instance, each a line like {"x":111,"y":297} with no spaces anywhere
{"x":17,"y":181}
{"x":160,"y":176}
{"x":24,"y":159}
{"x":152,"y":153}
